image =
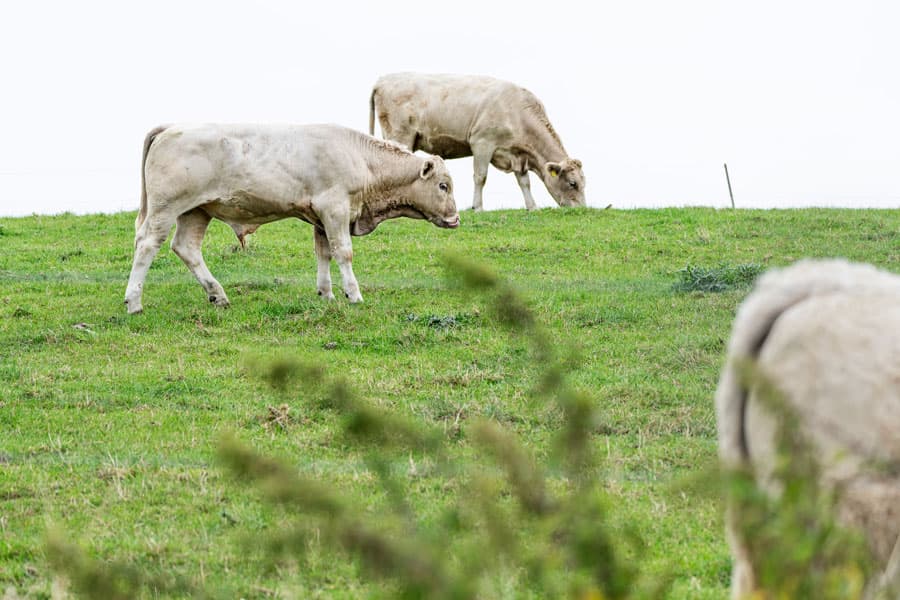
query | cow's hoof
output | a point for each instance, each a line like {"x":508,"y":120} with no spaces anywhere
{"x":355,"y":298}
{"x":133,"y":308}
{"x":220,"y":301}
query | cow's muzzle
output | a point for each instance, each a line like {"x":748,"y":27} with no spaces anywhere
{"x":452,"y":223}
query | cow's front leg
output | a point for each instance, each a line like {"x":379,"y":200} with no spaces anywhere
{"x":323,"y":260}
{"x":336,"y":221}
{"x":525,"y":186}
{"x":342,"y":251}
{"x":481,"y":159}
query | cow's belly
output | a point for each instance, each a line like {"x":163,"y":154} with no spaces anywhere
{"x":248,"y":209}
{"x":444,"y":146}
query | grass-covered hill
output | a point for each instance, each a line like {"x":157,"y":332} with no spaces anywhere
{"x":109,"y":423}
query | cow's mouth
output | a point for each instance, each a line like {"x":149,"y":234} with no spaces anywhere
{"x":448,"y":223}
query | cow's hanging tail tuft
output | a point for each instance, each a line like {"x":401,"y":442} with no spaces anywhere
{"x":148,"y":141}
{"x":372,"y":112}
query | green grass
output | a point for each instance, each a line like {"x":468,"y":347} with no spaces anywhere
{"x":109,"y":428}
{"x":694,"y":278}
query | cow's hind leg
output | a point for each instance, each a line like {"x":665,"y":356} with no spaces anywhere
{"x":149,"y":237}
{"x":189,"y":231}
{"x":525,"y":186}
{"x":743,"y":581}
{"x":323,"y":260}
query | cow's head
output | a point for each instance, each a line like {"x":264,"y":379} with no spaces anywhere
{"x":432,"y":193}
{"x":565,"y":182}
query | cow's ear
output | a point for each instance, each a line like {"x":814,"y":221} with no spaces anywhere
{"x":554,"y":169}
{"x":427,"y":169}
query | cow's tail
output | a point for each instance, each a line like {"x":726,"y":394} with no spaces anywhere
{"x":372,"y":111}
{"x":774,"y":293}
{"x":148,"y":141}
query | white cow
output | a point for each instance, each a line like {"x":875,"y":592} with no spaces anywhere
{"x":341,"y":181}
{"x":493,"y":121}
{"x":826,"y":334}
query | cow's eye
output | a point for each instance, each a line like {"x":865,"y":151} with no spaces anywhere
{"x":443,"y":187}
{"x":573,"y":185}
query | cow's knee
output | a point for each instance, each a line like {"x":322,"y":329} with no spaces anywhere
{"x":342,"y":254}
{"x":524,"y":182}
{"x":151,"y":238}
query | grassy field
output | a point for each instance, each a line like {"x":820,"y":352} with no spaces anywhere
{"x":109,"y":423}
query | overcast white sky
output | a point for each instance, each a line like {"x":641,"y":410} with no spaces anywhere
{"x":800,"y":98}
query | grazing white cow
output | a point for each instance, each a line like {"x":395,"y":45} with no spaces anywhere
{"x":826,"y":334}
{"x":493,"y":121}
{"x":341,"y":181}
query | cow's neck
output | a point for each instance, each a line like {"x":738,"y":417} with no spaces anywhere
{"x":384,"y":194}
{"x":544,"y":145}
{"x":378,"y":206}
{"x":388,"y":202}
{"x":387,"y":177}
{"x":389,"y":166}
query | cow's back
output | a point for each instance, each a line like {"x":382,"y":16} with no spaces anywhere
{"x":438,"y":105}
{"x":275,"y":160}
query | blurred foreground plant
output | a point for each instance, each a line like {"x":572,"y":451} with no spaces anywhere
{"x":515,"y":527}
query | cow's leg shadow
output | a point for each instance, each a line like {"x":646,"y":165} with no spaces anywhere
{"x":189,"y":231}
{"x":323,"y":260}
{"x":149,"y":237}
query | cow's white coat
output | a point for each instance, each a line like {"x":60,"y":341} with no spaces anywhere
{"x":826,"y":334}
{"x":341,"y":181}
{"x":493,"y":121}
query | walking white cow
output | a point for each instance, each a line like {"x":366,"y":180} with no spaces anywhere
{"x":341,"y":181}
{"x":493,"y":121}
{"x":826,"y":334}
